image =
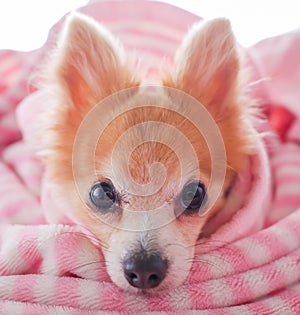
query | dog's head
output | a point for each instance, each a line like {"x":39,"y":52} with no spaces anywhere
{"x":138,"y":166}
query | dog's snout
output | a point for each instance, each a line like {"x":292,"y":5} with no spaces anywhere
{"x":145,"y":272}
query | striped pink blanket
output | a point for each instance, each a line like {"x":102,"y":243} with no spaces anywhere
{"x":252,"y":264}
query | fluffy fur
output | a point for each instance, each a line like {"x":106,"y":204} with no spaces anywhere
{"x":90,"y":65}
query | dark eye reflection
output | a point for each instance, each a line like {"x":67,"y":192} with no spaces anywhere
{"x":103,"y":195}
{"x":193,"y":197}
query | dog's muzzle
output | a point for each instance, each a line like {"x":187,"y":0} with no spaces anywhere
{"x":145,"y":271}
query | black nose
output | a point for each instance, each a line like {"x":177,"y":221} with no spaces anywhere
{"x":145,"y":272}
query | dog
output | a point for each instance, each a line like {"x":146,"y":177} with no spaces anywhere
{"x":114,"y":148}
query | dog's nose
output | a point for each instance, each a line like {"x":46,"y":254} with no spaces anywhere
{"x":145,"y":273}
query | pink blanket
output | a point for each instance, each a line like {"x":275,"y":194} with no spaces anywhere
{"x":253,"y":263}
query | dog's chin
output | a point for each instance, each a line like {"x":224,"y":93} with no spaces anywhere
{"x":147,"y":292}
{"x":161,"y":289}
{"x":151,"y":292}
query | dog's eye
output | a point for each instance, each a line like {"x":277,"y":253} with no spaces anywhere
{"x":193,"y":196}
{"x":103,"y":195}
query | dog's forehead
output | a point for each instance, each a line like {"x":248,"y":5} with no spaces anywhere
{"x":151,"y":146}
{"x":152,"y":172}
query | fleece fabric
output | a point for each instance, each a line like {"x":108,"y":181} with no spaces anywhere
{"x":251,"y":264}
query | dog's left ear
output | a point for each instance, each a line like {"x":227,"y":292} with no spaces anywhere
{"x":207,"y":63}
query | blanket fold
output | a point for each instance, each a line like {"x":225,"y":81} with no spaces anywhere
{"x":58,"y":266}
{"x":250,"y":265}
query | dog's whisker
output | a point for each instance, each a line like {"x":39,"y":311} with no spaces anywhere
{"x":175,"y":244}
{"x":98,"y":265}
{"x":88,"y":237}
{"x":210,"y":263}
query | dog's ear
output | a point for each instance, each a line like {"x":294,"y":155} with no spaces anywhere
{"x":90,"y":63}
{"x":207,"y":63}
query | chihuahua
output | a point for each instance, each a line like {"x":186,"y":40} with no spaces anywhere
{"x":134,"y":164}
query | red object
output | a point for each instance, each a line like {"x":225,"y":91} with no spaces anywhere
{"x":281,"y":119}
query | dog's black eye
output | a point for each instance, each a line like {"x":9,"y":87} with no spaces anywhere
{"x":193,"y":196}
{"x":103,"y":195}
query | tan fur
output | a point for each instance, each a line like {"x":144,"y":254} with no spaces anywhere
{"x":207,"y":66}
{"x":89,"y":67}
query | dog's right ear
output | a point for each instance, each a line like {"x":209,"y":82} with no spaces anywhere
{"x":89,"y":64}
